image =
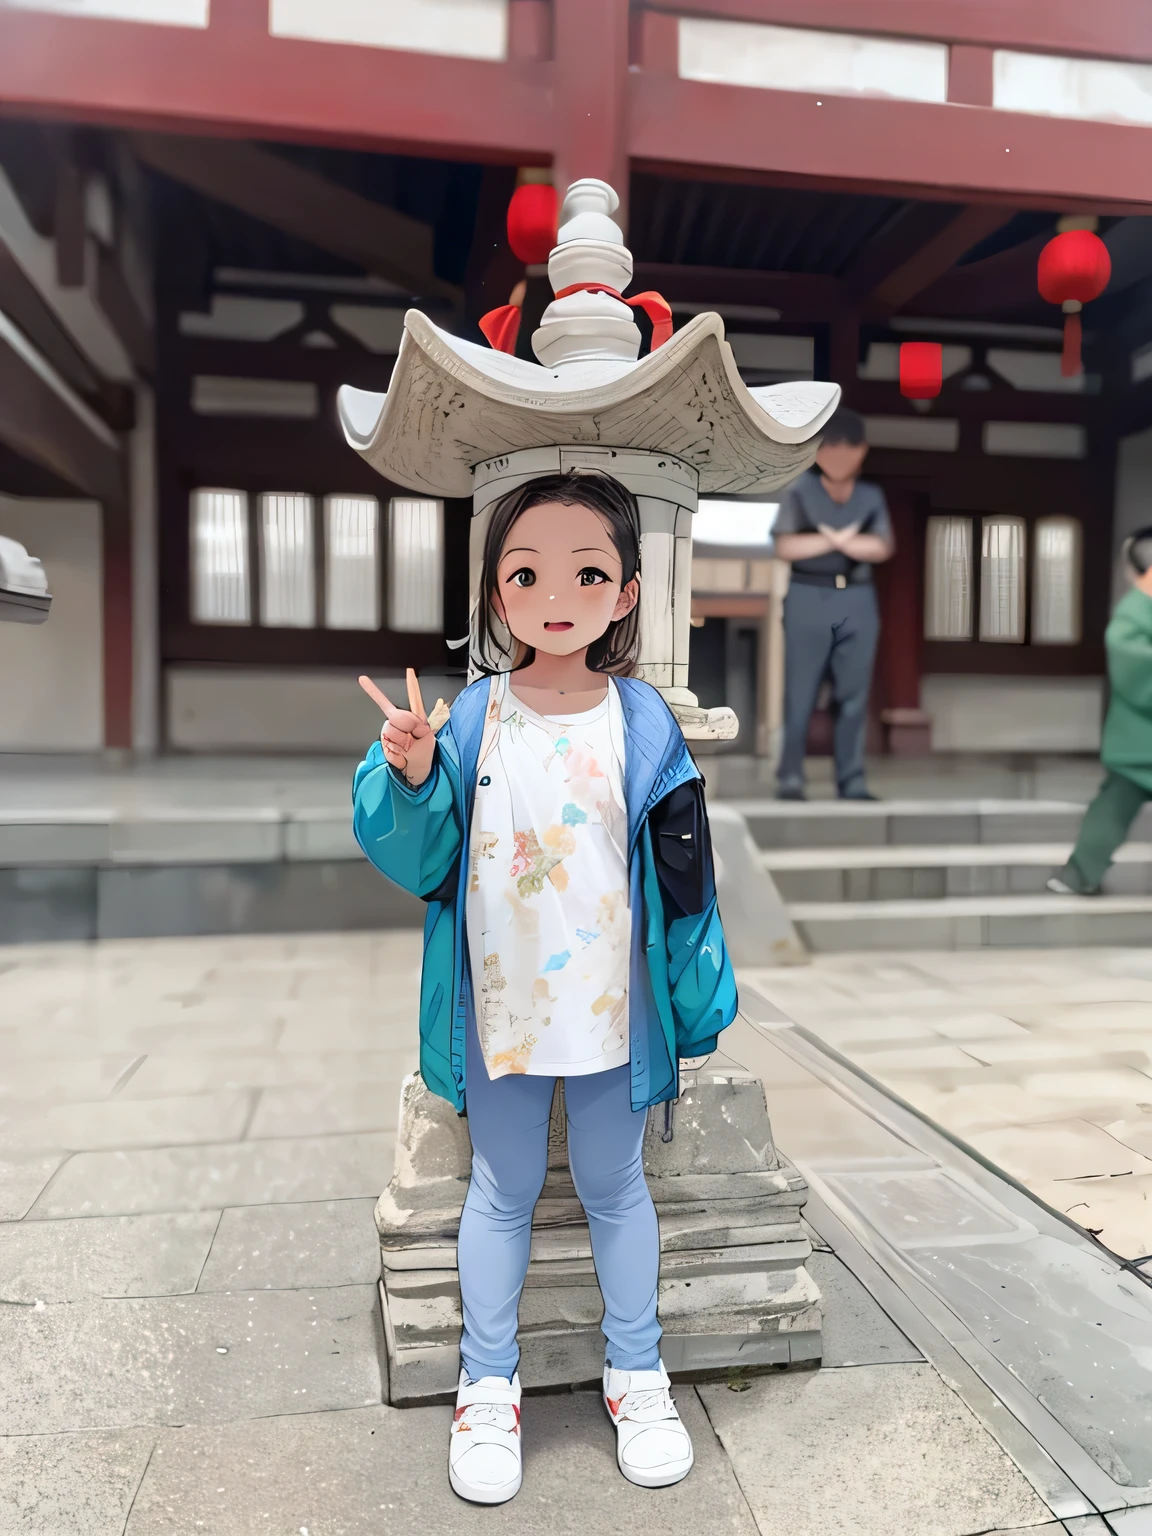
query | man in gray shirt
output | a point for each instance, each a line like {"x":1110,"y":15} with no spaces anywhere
{"x":833,"y":530}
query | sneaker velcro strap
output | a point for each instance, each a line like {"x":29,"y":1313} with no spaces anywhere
{"x":487,"y":1434}
{"x":488,"y":1392}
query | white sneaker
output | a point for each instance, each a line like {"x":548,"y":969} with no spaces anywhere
{"x":484,"y":1462}
{"x":1060,"y":887}
{"x":653,"y":1448}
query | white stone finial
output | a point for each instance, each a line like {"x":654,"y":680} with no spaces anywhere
{"x":586,"y":213}
{"x":588,"y":326}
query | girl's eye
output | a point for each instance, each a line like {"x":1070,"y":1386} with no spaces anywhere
{"x":590,"y":576}
{"x":523,"y":577}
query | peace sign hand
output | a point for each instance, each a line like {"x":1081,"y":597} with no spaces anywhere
{"x":408,"y":737}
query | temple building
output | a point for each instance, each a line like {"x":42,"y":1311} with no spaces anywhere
{"x":212,"y":216}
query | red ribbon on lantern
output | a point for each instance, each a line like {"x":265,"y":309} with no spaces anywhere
{"x":1073,"y":269}
{"x":532,"y":216}
{"x":654,"y":305}
{"x":502,"y":326}
{"x":921,"y":369}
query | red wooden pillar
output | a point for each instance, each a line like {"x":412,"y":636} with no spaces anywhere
{"x":899,"y":660}
{"x":117,"y":594}
{"x":590,"y":50}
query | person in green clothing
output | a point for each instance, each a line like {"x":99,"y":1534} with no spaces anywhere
{"x":1127,"y":747}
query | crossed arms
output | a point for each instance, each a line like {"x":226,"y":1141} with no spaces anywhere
{"x":868,"y":547}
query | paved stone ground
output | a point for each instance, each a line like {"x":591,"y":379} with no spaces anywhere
{"x":193,"y":1133}
{"x":1041,"y":1060}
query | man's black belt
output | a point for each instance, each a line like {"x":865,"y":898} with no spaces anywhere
{"x":827,"y":579}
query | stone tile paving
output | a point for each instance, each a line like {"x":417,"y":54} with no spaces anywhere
{"x":950,"y":1479}
{"x":1040,"y":1060}
{"x":192,"y":1137}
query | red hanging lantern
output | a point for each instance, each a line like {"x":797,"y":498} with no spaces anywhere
{"x":532,"y":216}
{"x":921,"y":369}
{"x":1074,"y":269}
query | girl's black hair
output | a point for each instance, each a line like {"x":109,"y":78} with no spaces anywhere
{"x":1138,"y":551}
{"x":616,"y":651}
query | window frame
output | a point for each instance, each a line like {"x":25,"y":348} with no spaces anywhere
{"x":194,"y":545}
{"x":185,"y":641}
{"x":1077,"y":525}
{"x":984,"y":583}
{"x":391,"y":604}
{"x":326,"y":563}
{"x":1085,"y":658}
{"x":257,"y":454}
{"x":315,"y":556}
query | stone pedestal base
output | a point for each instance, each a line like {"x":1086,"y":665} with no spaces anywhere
{"x":734,"y":1290}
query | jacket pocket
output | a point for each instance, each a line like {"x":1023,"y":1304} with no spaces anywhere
{"x":682,"y":849}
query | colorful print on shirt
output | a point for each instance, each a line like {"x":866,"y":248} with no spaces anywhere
{"x":548,"y":922}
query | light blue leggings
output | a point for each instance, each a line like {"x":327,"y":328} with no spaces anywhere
{"x":508,"y":1122}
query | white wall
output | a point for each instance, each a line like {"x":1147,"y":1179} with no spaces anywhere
{"x":1013,"y":714}
{"x":252,"y":709}
{"x":51,"y":674}
{"x":1133,"y":507}
{"x":796,"y":59}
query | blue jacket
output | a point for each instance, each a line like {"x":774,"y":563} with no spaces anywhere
{"x":681,"y":988}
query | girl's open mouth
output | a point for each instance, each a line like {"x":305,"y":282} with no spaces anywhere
{"x":559,"y":625}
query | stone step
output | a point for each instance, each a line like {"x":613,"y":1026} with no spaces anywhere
{"x":572,"y":1354}
{"x":896,"y":873}
{"x":559,"y":1226}
{"x":755,"y":1299}
{"x":865,"y":824}
{"x":975,"y":922}
{"x":558,"y":1261}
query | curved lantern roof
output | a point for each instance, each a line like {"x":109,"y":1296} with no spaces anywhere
{"x":453,"y":404}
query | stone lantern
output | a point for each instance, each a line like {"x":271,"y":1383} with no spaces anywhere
{"x":464,"y":420}
{"x":461,"y":419}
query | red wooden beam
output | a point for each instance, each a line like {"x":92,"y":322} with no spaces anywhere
{"x":233,"y":78}
{"x":970,"y":75}
{"x":1113,"y":29}
{"x":912,"y":227}
{"x":1004,"y":284}
{"x":591,"y":39}
{"x":937,"y":256}
{"x":38,"y":423}
{"x":933,"y":150}
{"x":23,"y":302}
{"x":116,"y":549}
{"x":304,"y":204}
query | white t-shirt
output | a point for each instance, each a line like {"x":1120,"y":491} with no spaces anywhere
{"x":549,"y":928}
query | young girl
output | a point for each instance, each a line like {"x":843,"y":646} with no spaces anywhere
{"x":555,"y":825}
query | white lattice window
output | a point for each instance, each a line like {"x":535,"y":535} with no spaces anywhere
{"x":351,"y":562}
{"x":219,"y":558}
{"x":1056,"y":581}
{"x":287,"y":562}
{"x":948,"y":579}
{"x":415,"y":565}
{"x":1002,"y":576}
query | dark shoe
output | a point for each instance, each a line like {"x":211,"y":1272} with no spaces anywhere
{"x":791,"y":792}
{"x":1060,"y":887}
{"x":861,"y":794}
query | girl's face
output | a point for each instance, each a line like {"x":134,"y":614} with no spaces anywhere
{"x":558,"y":579}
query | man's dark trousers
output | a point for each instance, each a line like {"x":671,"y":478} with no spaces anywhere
{"x":1105,"y":826}
{"x":828,"y":631}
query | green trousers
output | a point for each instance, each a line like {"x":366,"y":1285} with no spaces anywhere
{"x":1104,"y":828}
